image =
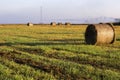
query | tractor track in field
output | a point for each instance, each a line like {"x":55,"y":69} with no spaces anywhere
{"x":93,"y":63}
{"x":56,"y":70}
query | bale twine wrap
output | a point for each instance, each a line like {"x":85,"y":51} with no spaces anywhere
{"x":100,"y":34}
{"x":29,"y":24}
{"x":53,"y":23}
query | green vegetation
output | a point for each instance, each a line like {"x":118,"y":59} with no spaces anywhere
{"x":44,"y":52}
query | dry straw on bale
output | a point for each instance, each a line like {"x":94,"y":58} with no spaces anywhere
{"x":100,"y":34}
{"x":29,"y":24}
{"x":53,"y":23}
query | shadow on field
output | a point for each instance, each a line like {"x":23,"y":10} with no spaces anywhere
{"x":48,"y":42}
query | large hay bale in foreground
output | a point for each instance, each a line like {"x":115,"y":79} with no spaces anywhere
{"x":53,"y":23}
{"x":29,"y":24}
{"x":100,"y":34}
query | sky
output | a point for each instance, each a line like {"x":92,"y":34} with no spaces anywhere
{"x":42,"y":11}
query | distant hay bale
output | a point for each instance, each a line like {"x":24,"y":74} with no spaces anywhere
{"x":100,"y":34}
{"x":59,"y":23}
{"x":116,"y":23}
{"x":107,"y":23}
{"x":101,"y":23}
{"x":29,"y":24}
{"x":53,"y":23}
{"x":67,"y":23}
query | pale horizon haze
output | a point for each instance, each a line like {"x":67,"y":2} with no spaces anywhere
{"x":38,"y":11}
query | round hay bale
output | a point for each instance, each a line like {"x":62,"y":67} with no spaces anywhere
{"x":67,"y":23}
{"x":100,"y":34}
{"x":29,"y":24}
{"x":59,"y":23}
{"x":53,"y":23}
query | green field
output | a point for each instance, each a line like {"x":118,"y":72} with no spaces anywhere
{"x":44,"y":52}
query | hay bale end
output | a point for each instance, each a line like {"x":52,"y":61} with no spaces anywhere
{"x":29,"y":24}
{"x":53,"y":23}
{"x":68,"y":23}
{"x":100,"y":34}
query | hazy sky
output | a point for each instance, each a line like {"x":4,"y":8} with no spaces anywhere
{"x":23,"y":11}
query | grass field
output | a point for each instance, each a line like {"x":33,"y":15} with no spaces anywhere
{"x":43,"y":52}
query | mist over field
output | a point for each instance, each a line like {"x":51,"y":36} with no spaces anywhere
{"x":46,"y":11}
